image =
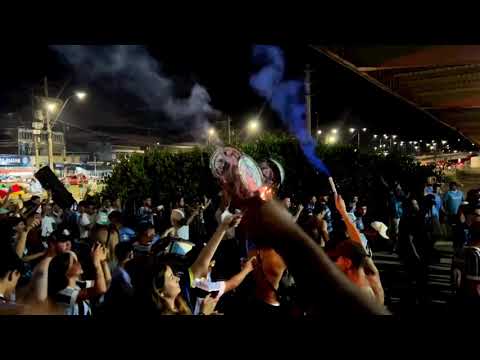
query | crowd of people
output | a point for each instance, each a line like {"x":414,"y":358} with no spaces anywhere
{"x":209,"y":257}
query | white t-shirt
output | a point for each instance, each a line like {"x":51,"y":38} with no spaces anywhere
{"x":83,"y":223}
{"x":36,"y":187}
{"x":47,"y":225}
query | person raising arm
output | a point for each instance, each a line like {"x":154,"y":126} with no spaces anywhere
{"x":199,"y":268}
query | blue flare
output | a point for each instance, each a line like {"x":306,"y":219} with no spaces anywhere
{"x":286,"y":97}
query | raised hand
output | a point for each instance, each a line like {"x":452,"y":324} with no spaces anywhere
{"x":250,"y":264}
{"x":33,"y":225}
{"x":99,"y":253}
{"x":231,"y":221}
{"x":208,"y":305}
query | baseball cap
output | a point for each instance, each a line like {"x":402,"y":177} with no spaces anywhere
{"x":62,"y":234}
{"x":381,"y":228}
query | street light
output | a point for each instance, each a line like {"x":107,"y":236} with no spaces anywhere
{"x":253,"y":125}
{"x":331,"y":139}
{"x":364,"y":129}
{"x":81,"y":95}
{"x":351,"y":130}
{"x":334,"y":131}
{"x":211,"y":131}
{"x":394,"y":137}
{"x":375,"y":136}
{"x":319,"y":132}
{"x":51,"y":106}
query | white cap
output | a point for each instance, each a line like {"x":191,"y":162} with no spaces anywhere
{"x":381,"y":228}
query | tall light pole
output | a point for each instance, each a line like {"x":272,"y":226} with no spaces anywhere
{"x":49,"y":127}
{"x":51,"y":107}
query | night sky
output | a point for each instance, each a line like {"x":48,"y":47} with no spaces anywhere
{"x":340,"y":99}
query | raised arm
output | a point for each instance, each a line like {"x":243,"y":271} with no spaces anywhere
{"x":106,"y":273}
{"x":200,"y":266}
{"x":99,"y":255}
{"x":297,"y":215}
{"x":351,"y":228}
{"x":317,"y":277}
{"x":22,"y":238}
{"x":237,"y":279}
{"x":190,"y":219}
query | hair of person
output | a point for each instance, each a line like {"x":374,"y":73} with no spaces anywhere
{"x":122,"y":250}
{"x":436,"y":185}
{"x":115,"y":216}
{"x":453,"y":183}
{"x":35,"y":197}
{"x":350,"y":250}
{"x":57,"y":273}
{"x":83,"y":203}
{"x":158,"y":284}
{"x":108,"y":242}
{"x":9,"y":261}
{"x":143,"y":227}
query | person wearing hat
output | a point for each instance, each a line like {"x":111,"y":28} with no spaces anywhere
{"x":379,"y":237}
{"x":61,"y":240}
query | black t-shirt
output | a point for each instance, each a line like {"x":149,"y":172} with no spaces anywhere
{"x":260,"y":308}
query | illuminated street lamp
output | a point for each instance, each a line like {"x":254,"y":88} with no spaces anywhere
{"x":331,"y":139}
{"x":375,"y":136}
{"x":364,"y":129}
{"x":81,"y":95}
{"x":319,"y":132}
{"x":253,"y":125}
{"x":211,"y":132}
{"x":51,"y":106}
{"x":334,"y":131}
{"x":352,"y":130}
{"x":394,"y":137}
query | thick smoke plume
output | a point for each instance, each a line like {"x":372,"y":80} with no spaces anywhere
{"x":286,"y":97}
{"x":133,"y":70}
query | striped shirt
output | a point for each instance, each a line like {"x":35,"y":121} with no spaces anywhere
{"x":472,"y":263}
{"x":68,"y":298}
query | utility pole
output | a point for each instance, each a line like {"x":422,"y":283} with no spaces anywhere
{"x":49,"y":129}
{"x":308,"y":100}
{"x":95,"y":165}
{"x":64,"y":148}
{"x":358,"y":139}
